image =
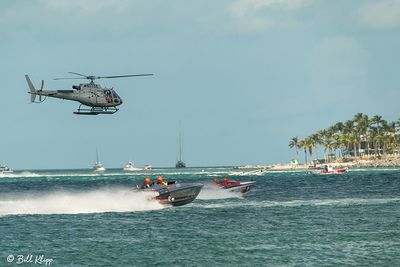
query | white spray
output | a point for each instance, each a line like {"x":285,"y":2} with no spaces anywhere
{"x":212,"y":191}
{"x":64,"y":202}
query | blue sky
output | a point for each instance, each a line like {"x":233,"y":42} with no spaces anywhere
{"x":242,"y":76}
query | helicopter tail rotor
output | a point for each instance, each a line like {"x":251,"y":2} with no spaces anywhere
{"x":41,"y":89}
{"x":31,"y":88}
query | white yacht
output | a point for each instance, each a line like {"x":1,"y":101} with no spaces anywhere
{"x":4,"y":169}
{"x":98,"y":167}
{"x":129,"y":167}
{"x":147,"y":167}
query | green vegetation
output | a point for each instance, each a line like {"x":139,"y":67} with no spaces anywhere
{"x":360,"y":137}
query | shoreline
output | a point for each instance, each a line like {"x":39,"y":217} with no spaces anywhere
{"x":389,"y":162}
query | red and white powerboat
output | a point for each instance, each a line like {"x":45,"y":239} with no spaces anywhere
{"x":234,"y":186}
{"x":329,"y":170}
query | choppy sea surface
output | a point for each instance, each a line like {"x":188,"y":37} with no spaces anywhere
{"x":78,"y":218}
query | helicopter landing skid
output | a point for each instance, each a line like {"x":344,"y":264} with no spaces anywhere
{"x":95,"y":110}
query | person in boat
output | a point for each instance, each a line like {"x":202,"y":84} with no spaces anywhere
{"x":215,"y":181}
{"x":146,"y":183}
{"x":161,"y":181}
{"x":224,"y":181}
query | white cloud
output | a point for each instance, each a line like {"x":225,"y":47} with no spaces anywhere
{"x":89,"y":6}
{"x":384,"y":14}
{"x":245,"y":7}
{"x":257,"y":15}
{"x":77,"y":18}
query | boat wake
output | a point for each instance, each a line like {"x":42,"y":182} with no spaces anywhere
{"x":214,"y":192}
{"x":19,"y":174}
{"x":65,"y":202}
{"x":297,"y":203}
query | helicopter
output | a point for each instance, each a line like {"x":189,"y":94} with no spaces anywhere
{"x":94,"y":98}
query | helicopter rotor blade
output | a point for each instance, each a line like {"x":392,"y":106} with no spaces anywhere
{"x":78,"y":74}
{"x":92,"y":77}
{"x":121,"y":76}
{"x":68,"y":78}
{"x":41,"y":87}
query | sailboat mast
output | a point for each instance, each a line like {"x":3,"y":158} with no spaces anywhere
{"x":180,"y":164}
{"x":97,"y":156}
{"x":180,"y":141}
{"x":180,"y":145}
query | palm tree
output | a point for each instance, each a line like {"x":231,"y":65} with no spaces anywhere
{"x":351,"y":136}
{"x":362,"y":129}
{"x":317,"y":140}
{"x":295,"y":143}
{"x":398,"y":124}
{"x":327,"y":142}
{"x":310,"y":144}
{"x":348,"y":129}
{"x":304,"y":146}
{"x":391,"y":137}
{"x":376,"y":122}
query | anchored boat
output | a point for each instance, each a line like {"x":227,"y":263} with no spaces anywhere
{"x":129,"y":167}
{"x":98,"y":167}
{"x":4,"y":169}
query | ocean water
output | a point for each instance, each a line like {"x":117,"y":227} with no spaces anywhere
{"x":77,"y":218}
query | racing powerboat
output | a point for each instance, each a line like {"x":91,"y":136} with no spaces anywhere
{"x":174,"y":193}
{"x":338,"y":171}
{"x":234,"y":186}
{"x":328,"y":170}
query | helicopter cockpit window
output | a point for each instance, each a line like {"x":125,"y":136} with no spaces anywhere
{"x":115,"y":94}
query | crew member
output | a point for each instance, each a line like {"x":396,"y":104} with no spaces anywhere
{"x":161,"y":181}
{"x":225,"y":181}
{"x":146,"y":183}
{"x":215,"y":181}
{"x":326,"y":168}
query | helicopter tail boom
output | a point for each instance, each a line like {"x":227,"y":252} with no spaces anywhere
{"x":31,"y":88}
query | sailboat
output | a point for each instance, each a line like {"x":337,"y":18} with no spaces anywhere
{"x":180,"y":164}
{"x":98,"y":167}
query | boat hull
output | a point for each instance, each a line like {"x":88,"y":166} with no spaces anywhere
{"x":241,"y":187}
{"x":179,"y":194}
{"x":339,"y":171}
{"x":333,"y":172}
{"x":180,"y":165}
{"x":133,"y":169}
